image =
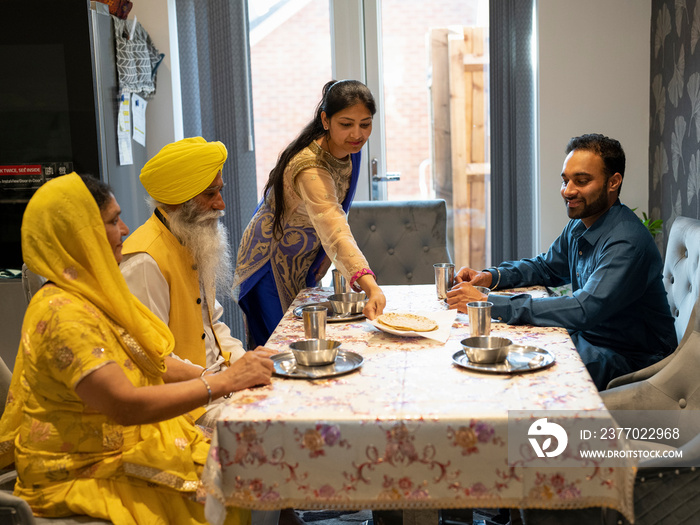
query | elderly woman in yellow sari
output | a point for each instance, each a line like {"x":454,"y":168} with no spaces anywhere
{"x":93,"y":421}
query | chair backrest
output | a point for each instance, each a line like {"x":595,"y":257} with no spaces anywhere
{"x":31,"y":282}
{"x":5,"y":379}
{"x":681,"y":274}
{"x":676,"y":385}
{"x":14,"y":510}
{"x":401,"y":240}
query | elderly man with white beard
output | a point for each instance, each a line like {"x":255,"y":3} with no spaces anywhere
{"x":180,"y":256}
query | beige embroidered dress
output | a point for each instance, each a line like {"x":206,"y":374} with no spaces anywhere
{"x":315,"y":185}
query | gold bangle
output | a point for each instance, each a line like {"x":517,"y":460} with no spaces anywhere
{"x":206,"y":383}
{"x":499,"y":279}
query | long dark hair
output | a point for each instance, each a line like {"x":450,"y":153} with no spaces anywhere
{"x":337,"y":96}
{"x":101,"y":191}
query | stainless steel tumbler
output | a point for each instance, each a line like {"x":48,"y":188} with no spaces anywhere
{"x":479,"y":317}
{"x":444,"y":278}
{"x":314,"y":321}
{"x":340,"y":285}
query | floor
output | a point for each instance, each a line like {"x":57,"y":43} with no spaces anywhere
{"x":364,"y":517}
{"x":331,"y":517}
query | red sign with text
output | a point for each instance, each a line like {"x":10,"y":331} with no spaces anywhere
{"x":26,"y":169}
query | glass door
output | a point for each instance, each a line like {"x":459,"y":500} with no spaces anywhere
{"x":427,"y":66}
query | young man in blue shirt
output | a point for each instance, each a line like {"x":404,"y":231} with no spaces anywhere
{"x":618,"y":315}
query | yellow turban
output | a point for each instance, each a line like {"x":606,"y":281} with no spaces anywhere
{"x":183,"y":169}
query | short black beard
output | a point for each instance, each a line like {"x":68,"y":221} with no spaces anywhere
{"x":598,"y":205}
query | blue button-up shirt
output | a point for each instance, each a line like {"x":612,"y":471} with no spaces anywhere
{"x":615,"y":270}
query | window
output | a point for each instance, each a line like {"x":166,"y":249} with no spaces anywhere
{"x":290,"y":49}
{"x":424,"y":71}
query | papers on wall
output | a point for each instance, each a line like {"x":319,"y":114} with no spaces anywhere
{"x":139,"y":110}
{"x":124,"y":130}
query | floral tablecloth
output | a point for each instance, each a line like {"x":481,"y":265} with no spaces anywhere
{"x":408,"y":429}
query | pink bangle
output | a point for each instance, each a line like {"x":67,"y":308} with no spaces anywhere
{"x":364,"y":271}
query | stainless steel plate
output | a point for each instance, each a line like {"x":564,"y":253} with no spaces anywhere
{"x":286,"y":366}
{"x":331,"y":317}
{"x":520,"y":359}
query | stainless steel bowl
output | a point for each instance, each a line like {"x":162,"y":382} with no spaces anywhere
{"x":315,"y":352}
{"x":348,"y":303}
{"x":483,"y":289}
{"x":486,"y":348}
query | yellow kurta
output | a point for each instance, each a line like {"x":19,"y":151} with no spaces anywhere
{"x":71,"y":459}
{"x":65,"y":453}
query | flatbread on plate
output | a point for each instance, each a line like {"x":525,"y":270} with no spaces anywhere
{"x":407,"y":321}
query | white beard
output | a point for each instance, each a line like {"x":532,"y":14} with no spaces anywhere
{"x":207,"y":240}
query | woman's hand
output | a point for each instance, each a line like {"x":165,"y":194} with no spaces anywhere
{"x":263,"y":351}
{"x":109,"y":391}
{"x":375,"y":305}
{"x":179,"y":370}
{"x":376,"y":301}
{"x":252,"y":369}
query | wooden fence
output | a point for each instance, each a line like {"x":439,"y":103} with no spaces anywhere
{"x":460,"y":139}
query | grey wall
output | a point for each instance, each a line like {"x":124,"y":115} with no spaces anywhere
{"x":593,"y":77}
{"x":164,"y":111}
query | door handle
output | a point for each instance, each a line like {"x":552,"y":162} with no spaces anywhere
{"x":387,"y":177}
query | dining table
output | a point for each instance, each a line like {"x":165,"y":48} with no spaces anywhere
{"x":405,"y":421}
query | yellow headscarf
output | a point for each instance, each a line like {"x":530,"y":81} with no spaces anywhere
{"x":64,"y":239}
{"x":183,"y":169}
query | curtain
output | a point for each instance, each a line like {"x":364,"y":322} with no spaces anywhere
{"x":216,"y":104}
{"x":513,"y":133}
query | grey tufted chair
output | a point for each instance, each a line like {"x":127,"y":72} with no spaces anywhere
{"x":673,"y":387}
{"x":682,"y":270}
{"x":681,"y":276}
{"x":666,"y":489}
{"x":401,"y":239}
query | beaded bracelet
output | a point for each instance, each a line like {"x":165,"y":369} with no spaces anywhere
{"x":206,"y":383}
{"x":360,"y":273}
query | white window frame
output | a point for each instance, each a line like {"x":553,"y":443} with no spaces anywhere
{"x":356,"y":47}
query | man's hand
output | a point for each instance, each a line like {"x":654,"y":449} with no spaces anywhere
{"x":253,"y":369}
{"x":467,"y":275}
{"x":461,"y":294}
